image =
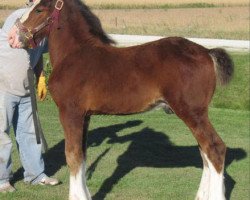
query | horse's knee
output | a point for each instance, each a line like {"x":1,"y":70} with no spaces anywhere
{"x":216,"y":152}
{"x":209,"y":141}
{"x":74,"y":159}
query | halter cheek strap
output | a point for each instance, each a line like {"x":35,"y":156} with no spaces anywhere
{"x":56,"y":13}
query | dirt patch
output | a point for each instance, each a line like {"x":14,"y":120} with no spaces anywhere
{"x":226,"y":22}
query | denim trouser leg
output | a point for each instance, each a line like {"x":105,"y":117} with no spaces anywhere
{"x":5,"y":140}
{"x":29,"y":150}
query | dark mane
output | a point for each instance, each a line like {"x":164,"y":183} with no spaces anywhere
{"x":94,"y":22}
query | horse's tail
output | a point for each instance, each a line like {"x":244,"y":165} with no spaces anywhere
{"x":223,"y":64}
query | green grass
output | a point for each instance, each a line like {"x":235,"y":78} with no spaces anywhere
{"x":141,"y":157}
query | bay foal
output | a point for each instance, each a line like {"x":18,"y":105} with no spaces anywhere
{"x":91,"y":77}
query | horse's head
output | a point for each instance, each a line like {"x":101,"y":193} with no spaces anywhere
{"x":35,"y":24}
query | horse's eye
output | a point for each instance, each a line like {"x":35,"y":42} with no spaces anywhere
{"x":38,"y":10}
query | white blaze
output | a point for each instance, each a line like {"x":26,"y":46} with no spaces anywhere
{"x":26,"y":15}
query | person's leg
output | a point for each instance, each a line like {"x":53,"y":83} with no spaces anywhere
{"x":7,"y":107}
{"x":29,"y":150}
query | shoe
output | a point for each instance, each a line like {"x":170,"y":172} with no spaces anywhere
{"x":48,"y":181}
{"x":6,"y":187}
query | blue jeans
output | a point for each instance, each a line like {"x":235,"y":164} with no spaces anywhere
{"x":17,"y":111}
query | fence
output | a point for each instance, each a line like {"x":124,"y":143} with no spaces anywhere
{"x":231,"y":45}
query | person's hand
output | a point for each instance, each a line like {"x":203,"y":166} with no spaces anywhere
{"x":41,"y":88}
{"x":13,"y":38}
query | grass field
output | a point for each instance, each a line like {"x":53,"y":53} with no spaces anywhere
{"x":141,"y":157}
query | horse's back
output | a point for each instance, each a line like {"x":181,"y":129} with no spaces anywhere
{"x":174,"y":62}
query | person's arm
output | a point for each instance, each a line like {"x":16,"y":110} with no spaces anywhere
{"x":40,"y":80}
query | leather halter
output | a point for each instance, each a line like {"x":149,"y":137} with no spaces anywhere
{"x":51,"y":21}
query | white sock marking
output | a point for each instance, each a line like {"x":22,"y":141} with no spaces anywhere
{"x":78,"y":188}
{"x":212,"y":182}
{"x":205,"y":179}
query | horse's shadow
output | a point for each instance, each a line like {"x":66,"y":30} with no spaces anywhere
{"x":148,"y":148}
{"x":55,"y":158}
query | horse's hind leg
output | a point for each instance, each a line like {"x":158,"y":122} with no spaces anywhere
{"x":213,"y":152}
{"x":75,"y":150}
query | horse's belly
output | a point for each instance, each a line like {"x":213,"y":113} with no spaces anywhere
{"x":125,"y":105}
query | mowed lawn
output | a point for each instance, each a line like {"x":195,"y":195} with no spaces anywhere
{"x":150,"y":156}
{"x":147,"y":156}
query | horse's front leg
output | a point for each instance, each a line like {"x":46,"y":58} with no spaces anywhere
{"x":75,"y":130}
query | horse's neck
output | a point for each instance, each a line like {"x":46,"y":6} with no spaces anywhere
{"x":72,"y":35}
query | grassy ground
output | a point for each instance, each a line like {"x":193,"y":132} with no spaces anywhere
{"x":141,"y":157}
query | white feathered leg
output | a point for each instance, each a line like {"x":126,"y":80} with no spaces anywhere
{"x":203,"y":192}
{"x":78,"y":188}
{"x":212,"y":183}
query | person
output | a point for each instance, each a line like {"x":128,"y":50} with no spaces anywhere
{"x":16,"y":110}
